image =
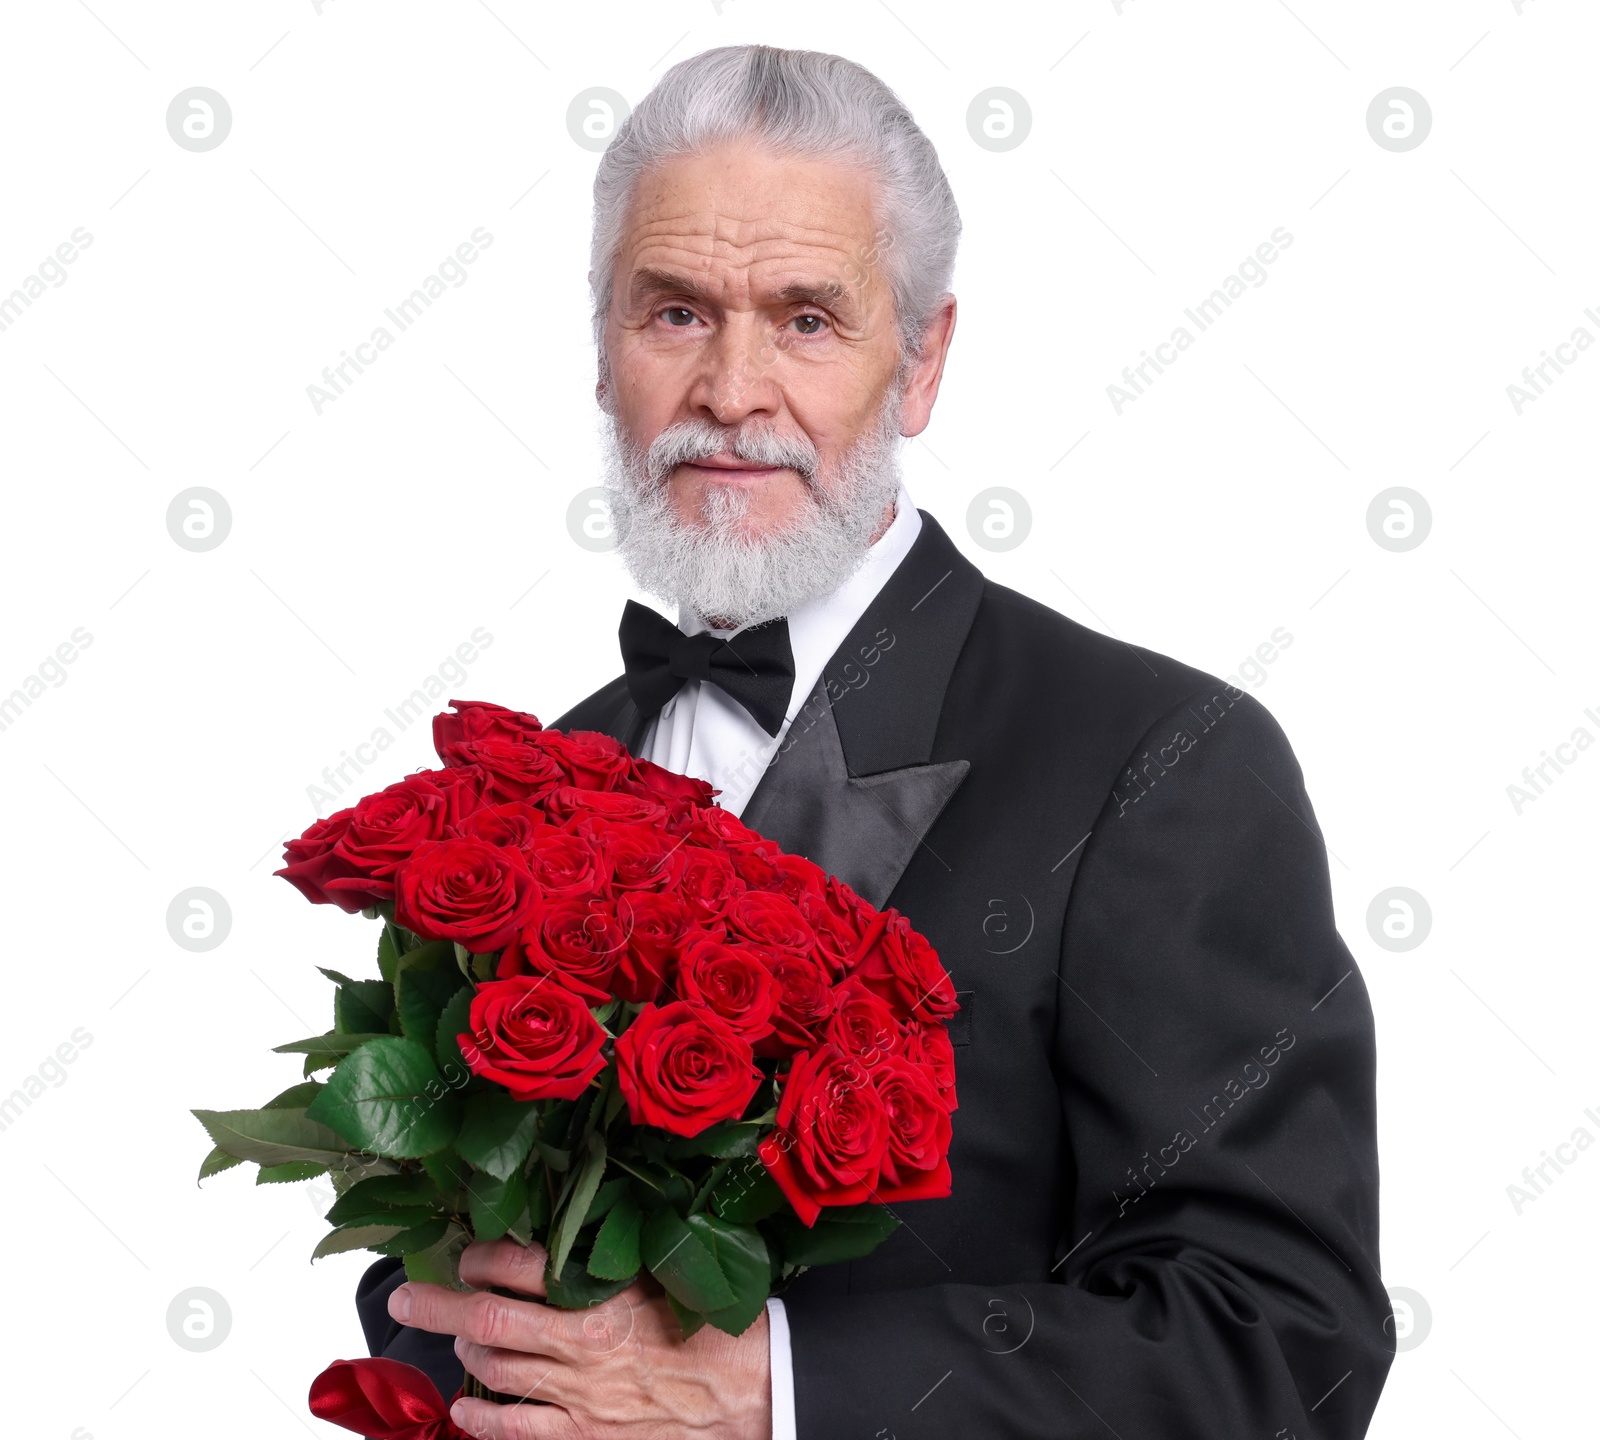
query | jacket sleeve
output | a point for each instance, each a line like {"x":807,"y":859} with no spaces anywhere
{"x":1217,"y":1260}
{"x":434,"y":1355}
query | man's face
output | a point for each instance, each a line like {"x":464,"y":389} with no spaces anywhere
{"x":749,"y":293}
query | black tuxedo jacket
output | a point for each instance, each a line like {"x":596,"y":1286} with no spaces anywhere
{"x":1165,"y":1212}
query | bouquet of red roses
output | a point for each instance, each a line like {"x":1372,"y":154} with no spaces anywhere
{"x":611,"y":1017}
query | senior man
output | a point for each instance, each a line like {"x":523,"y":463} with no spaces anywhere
{"x":1164,"y":1220}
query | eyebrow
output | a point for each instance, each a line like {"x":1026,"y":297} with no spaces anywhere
{"x":648,"y":281}
{"x":823,"y":293}
{"x":664,"y":282}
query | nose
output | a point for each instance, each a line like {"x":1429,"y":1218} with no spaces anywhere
{"x":736,"y":376}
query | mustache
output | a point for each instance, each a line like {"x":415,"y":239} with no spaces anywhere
{"x":760,"y":443}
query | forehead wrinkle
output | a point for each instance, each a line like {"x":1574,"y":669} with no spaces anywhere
{"x":726,"y":230}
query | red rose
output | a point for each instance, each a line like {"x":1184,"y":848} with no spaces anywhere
{"x":929,"y":1046}
{"x":592,"y":761}
{"x":474,"y":893}
{"x":578,"y":943}
{"x":799,"y":877}
{"x":516,"y":824}
{"x":899,"y":964}
{"x":638,"y":855}
{"x":570,"y":802}
{"x":707,"y":882}
{"x":656,"y":926}
{"x":805,"y":1002}
{"x":385,"y":828}
{"x":754,"y":864}
{"x":730,"y":981}
{"x":514,"y":769}
{"x":851,"y":909}
{"x":771,"y":920}
{"x":681,"y":794}
{"x":479,"y":720}
{"x":838,"y":940}
{"x":832,"y":1134}
{"x":864,"y":1025}
{"x":684,"y":1070}
{"x":916,"y":1166}
{"x":569,"y":866}
{"x":309,"y":861}
{"x":718,"y":829}
{"x":537,"y":1039}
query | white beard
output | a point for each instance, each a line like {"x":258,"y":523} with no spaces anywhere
{"x":712,"y":568}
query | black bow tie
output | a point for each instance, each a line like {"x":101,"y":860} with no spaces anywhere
{"x":754,"y":667}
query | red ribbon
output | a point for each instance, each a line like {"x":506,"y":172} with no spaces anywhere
{"x":383,"y":1400}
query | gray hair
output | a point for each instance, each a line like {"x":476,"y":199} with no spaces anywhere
{"x":804,"y":103}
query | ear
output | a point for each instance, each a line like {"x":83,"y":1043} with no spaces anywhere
{"x":916,"y":406}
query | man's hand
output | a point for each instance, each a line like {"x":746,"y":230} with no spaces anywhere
{"x":617,"y":1371}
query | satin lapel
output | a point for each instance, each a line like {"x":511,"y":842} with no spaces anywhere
{"x":611,"y":712}
{"x":864,"y":829}
{"x":631,"y":726}
{"x":855,"y":786}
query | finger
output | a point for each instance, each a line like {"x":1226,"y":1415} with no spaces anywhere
{"x":484,"y":1420}
{"x":504,"y":1262}
{"x":486,"y":1319}
{"x":519,"y":1375}
{"x":595,"y":1335}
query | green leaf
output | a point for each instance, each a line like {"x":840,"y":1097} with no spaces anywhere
{"x":386,"y":1199}
{"x":333,"y":1043}
{"x":379,"y":1191}
{"x":284,"y":1174}
{"x":354,"y":1237}
{"x":746,"y":1193}
{"x":558,"y":1160}
{"x":425,"y":979}
{"x":439,"y":1264}
{"x":539,"y":1201}
{"x":578,"y":1289}
{"x":615,"y":1100}
{"x":615,"y":1255}
{"x":216,"y":1162}
{"x":453,"y":1021}
{"x":448,"y":1172}
{"x":388,"y":1098}
{"x":723,"y":1141}
{"x":363,"y":1006}
{"x":578,"y":1202}
{"x":741,"y":1255}
{"x":389,"y":950}
{"x":845,"y":1233}
{"x":688,"y":1320}
{"x":640,"y":1170}
{"x":605,"y":1197}
{"x":496,"y":1205}
{"x":420,"y":1237}
{"x":272,"y":1137}
{"x":676,"y":1257}
{"x":497,"y":1132}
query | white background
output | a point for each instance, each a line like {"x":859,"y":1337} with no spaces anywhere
{"x":369,"y":541}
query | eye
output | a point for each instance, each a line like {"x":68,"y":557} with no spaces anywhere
{"x":808,"y":324}
{"x":678,"y":315}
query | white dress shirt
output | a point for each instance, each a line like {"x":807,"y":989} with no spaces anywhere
{"x":701,"y":732}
